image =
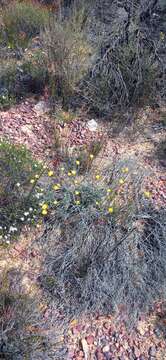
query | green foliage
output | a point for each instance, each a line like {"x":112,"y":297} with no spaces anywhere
{"x":8,"y":72}
{"x":6,"y":101}
{"x":18,"y":190}
{"x":22,"y":21}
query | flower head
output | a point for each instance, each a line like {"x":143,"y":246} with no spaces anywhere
{"x":37,"y":176}
{"x":110,"y":210}
{"x":77,"y":162}
{"x":32,"y":181}
{"x":55,"y":202}
{"x":121,"y":181}
{"x":91,"y":156}
{"x":77,"y":192}
{"x":45,"y":206}
{"x":44,"y":212}
{"x":56,"y":187}
{"x":77,"y":202}
{"x":147,"y":194}
{"x":98,"y":177}
{"x":69,"y":173}
{"x":74,"y":172}
{"x":109,"y":191}
{"x":50,"y":173}
{"x":125,"y":170}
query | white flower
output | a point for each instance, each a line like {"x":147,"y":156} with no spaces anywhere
{"x":26,"y":213}
{"x":1,"y":228}
{"x":7,"y":241}
{"x":37,"y":196}
{"x":22,"y":218}
{"x":12,"y":229}
{"x":30,"y":209}
{"x":18,"y":184}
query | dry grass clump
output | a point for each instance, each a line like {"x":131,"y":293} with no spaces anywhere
{"x":19,"y":317}
{"x":105,"y":243}
{"x":68,"y":54}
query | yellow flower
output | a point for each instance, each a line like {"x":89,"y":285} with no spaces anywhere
{"x":91,"y":156}
{"x":110,"y":210}
{"x":109,"y":190}
{"x":125,"y":170}
{"x":75,"y":182}
{"x":44,"y":206}
{"x":121,"y":181}
{"x":77,"y":202}
{"x":50,"y":173}
{"x":37,"y":176}
{"x":97,"y":203}
{"x":73,"y":172}
{"x":98,"y":177}
{"x":147,"y":194}
{"x":32,"y":181}
{"x":77,"y":192}
{"x":69,"y":173}
{"x":44,"y":212}
{"x":55,"y":202}
{"x":77,"y":162}
{"x":56,"y":186}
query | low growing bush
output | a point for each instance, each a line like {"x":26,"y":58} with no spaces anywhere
{"x":19,"y":190}
{"x":104,"y":242}
{"x":68,"y":54}
{"x":23,"y":20}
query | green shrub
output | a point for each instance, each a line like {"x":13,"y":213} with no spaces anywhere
{"x":68,"y":54}
{"x":6,"y":100}
{"x":103,"y":238}
{"x":34,"y":74}
{"x":8,"y":73}
{"x":22,"y":21}
{"x":19,"y":191}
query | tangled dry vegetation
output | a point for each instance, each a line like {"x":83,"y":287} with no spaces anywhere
{"x":102,"y":243}
{"x":101,"y":233}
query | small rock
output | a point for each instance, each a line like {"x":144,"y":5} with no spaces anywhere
{"x":92,"y":125}
{"x":106,"y":325}
{"x":137,"y":352}
{"x":142,"y":328}
{"x":41,"y":107}
{"x":152,"y":351}
{"x":80,"y":354}
{"x":85,"y":348}
{"x":106,"y":349}
{"x":90,"y":339}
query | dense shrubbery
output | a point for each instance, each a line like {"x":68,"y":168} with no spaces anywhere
{"x":19,"y":192}
{"x":103,"y":239}
{"x":22,"y":21}
{"x":68,"y":54}
{"x":20,"y":79}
